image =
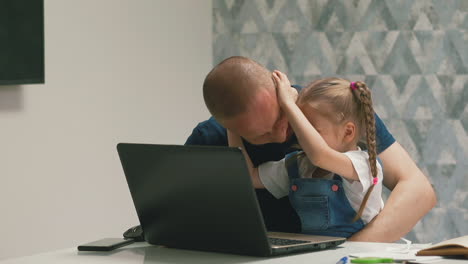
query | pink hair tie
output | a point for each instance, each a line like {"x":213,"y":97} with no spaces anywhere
{"x":375,"y":180}
{"x":353,"y":86}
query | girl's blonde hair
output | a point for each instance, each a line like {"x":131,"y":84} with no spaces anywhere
{"x":343,"y":101}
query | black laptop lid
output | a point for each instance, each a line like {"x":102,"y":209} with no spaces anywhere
{"x":194,"y":197}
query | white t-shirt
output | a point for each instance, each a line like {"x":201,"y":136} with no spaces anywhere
{"x":274,"y":177}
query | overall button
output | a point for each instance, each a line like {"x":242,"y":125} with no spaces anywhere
{"x":335,"y":187}
{"x":294,"y":188}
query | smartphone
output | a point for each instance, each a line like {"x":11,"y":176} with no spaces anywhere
{"x":105,"y":244}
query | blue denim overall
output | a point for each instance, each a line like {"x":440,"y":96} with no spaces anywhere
{"x":321,"y":204}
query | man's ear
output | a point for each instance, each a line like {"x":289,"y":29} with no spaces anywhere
{"x":350,"y":132}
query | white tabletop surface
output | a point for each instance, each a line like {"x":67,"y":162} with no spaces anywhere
{"x":143,"y":253}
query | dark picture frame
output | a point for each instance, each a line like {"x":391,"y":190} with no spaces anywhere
{"x":21,"y":42}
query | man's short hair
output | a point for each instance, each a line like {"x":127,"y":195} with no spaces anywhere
{"x":230,"y":87}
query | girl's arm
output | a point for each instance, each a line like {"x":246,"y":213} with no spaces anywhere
{"x":236,"y":141}
{"x":317,"y":150}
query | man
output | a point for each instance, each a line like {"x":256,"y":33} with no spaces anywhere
{"x":241,"y":96}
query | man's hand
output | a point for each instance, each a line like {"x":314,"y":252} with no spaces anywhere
{"x":286,"y":94}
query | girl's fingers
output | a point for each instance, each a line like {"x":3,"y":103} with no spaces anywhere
{"x":277,"y":73}
{"x":279,"y":76}
{"x":276,"y":78}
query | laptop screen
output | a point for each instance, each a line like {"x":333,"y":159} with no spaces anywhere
{"x":194,"y":197}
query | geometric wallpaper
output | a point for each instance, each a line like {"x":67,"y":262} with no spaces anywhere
{"x":412,"y":54}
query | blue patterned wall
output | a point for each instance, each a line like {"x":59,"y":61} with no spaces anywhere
{"x":412,"y":53}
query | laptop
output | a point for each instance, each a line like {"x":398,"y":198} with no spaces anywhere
{"x":202,"y":198}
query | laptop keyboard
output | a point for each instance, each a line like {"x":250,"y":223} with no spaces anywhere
{"x":284,"y":242}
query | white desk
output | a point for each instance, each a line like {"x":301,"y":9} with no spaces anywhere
{"x":143,"y":253}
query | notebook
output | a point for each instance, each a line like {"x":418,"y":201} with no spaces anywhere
{"x":452,"y":247}
{"x":202,"y":198}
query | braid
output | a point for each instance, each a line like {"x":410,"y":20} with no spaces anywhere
{"x":363,"y":93}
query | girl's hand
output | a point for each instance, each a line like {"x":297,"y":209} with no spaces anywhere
{"x":286,"y":94}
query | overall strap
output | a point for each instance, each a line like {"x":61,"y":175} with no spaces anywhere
{"x":292,"y":165}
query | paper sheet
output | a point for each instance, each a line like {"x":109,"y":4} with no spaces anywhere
{"x":411,"y":255}
{"x":401,"y":252}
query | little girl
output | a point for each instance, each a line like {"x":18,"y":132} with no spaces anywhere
{"x":333,"y":185}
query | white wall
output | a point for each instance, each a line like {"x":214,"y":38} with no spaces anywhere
{"x":116,"y":71}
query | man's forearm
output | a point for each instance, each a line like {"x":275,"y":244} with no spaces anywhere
{"x":412,"y":197}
